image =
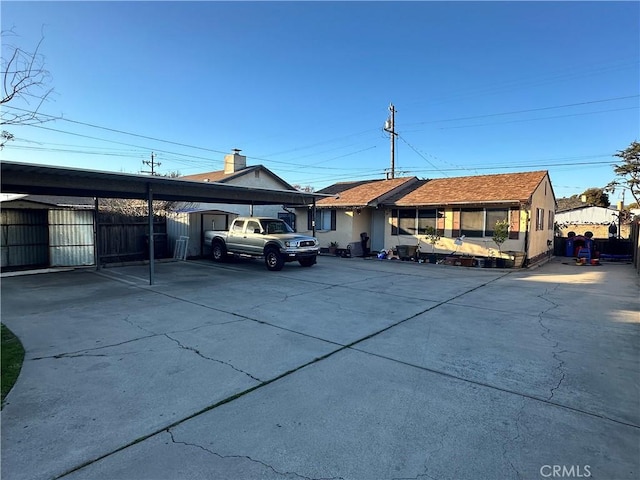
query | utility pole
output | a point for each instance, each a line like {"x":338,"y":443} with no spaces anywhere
{"x":152,"y":163}
{"x":389,"y":126}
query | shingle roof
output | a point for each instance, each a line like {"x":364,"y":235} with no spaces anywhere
{"x":507,"y":187}
{"x":217,"y":176}
{"x":221,"y":177}
{"x":362,"y":193}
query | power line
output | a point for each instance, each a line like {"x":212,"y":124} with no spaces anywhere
{"x":540,"y":118}
{"x":517,"y":83}
{"x":420,"y":154}
{"x":114,"y":141}
{"x":524,"y":111}
{"x":65,"y":150}
{"x":365,"y":172}
{"x":172,"y":142}
{"x":122,"y":132}
{"x":528,"y":166}
{"x":166,"y":151}
{"x":324,"y":142}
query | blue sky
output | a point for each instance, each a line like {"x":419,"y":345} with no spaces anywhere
{"x":304,"y":87}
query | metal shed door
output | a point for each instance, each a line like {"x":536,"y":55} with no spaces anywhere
{"x":71,"y":238}
{"x":23,"y":238}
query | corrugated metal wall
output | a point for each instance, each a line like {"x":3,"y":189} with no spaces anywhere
{"x":71,"y":238}
{"x":23,"y":238}
{"x":177,"y":226}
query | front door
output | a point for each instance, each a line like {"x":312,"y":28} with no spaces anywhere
{"x":377,"y":230}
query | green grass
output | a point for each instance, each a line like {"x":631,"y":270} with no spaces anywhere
{"x":12,"y":355}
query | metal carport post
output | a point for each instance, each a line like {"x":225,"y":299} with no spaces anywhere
{"x":151,"y":241}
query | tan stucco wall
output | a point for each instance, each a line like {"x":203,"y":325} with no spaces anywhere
{"x":349,"y":226}
{"x":541,"y":198}
{"x":361,"y":223}
{"x":470,"y":246}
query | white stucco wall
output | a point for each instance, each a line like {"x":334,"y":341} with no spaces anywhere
{"x":588,"y":215}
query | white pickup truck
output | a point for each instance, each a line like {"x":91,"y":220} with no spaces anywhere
{"x":270,"y":238}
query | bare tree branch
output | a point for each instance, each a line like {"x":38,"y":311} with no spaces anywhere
{"x":24,"y":78}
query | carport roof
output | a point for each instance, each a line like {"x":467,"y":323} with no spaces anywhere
{"x":49,"y":180}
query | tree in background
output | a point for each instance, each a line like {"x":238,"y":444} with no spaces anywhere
{"x":590,"y":197}
{"x":139,"y":208}
{"x":25,"y":81}
{"x":596,"y":197}
{"x":627,"y":171}
{"x":306,"y":188}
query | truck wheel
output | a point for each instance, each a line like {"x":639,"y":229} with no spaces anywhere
{"x":273,"y":260}
{"x":218,"y":252}
{"x":307,"y":261}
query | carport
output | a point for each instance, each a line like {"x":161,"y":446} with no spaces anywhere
{"x":34,"y":179}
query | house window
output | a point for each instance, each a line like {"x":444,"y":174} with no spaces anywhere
{"x":539,"y":219}
{"x":431,"y":218}
{"x":551,"y":221}
{"x":426,"y":218}
{"x":403,"y":221}
{"x":494,"y":215}
{"x":325,"y":219}
{"x":480,"y":222}
{"x":472,"y":222}
{"x":407,"y":222}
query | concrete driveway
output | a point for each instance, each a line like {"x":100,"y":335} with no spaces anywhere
{"x":352,"y":369}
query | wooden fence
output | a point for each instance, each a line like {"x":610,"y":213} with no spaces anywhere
{"x":124,"y":238}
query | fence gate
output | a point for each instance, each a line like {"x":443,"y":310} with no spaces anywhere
{"x":71,"y":238}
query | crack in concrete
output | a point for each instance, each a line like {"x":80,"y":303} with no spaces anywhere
{"x":197,"y":352}
{"x":417,"y":477}
{"x":432,"y":454}
{"x":126,"y":319}
{"x":554,"y":343}
{"x":287,"y":297}
{"x":246,"y":457}
{"x":513,"y":440}
{"x":81,"y":353}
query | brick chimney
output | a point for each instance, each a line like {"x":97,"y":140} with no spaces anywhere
{"x":234,"y":162}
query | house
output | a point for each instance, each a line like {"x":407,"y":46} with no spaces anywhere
{"x":190,"y":220}
{"x":463,"y":210}
{"x":601,"y":221}
{"x":352,"y":210}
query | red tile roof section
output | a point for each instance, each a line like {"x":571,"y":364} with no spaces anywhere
{"x":477,"y":189}
{"x":363,"y":194}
